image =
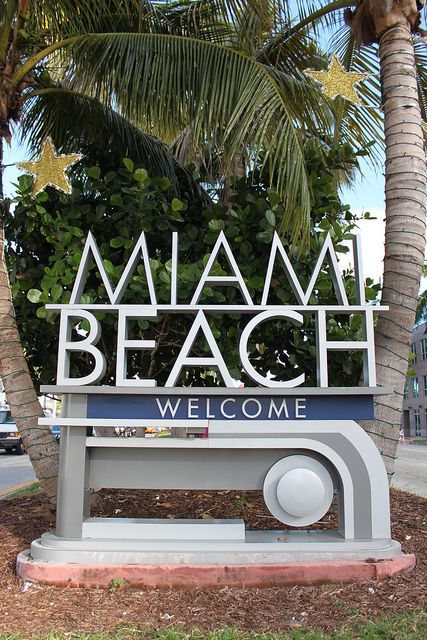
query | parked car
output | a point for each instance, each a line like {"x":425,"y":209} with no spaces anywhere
{"x":10,"y":440}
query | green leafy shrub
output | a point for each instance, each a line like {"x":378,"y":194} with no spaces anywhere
{"x":47,"y":234}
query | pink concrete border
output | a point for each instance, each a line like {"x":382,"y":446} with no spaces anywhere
{"x":210,"y":576}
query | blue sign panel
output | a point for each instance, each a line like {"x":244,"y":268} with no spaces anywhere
{"x":235,"y":407}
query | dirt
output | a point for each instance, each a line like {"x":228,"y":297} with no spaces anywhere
{"x":36,"y":610}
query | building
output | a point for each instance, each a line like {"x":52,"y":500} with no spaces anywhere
{"x":414,"y":414}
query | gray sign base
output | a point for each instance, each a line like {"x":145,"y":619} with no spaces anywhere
{"x":302,"y":466}
{"x":257,"y":547}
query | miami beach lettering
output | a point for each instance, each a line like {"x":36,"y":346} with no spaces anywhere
{"x":76,"y":311}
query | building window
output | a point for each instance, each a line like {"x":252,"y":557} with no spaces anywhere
{"x":424,"y":348}
{"x":425,"y":385}
{"x":415,"y":387}
{"x":417,"y":422}
{"x":406,"y":392}
{"x":414,"y":352}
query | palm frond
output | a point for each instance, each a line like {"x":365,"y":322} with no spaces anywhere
{"x":67,"y":18}
{"x":290,"y":51}
{"x":204,"y":19}
{"x":169,"y":82}
{"x":320,"y":14}
{"x":200,"y":19}
{"x":75,"y":122}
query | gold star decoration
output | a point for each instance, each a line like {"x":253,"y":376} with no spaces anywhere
{"x":49,"y":169}
{"x":336,"y":81}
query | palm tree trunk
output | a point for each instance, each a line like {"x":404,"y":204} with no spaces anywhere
{"x":405,"y":188}
{"x":21,"y":396}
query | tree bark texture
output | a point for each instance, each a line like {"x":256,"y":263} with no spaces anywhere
{"x":372,"y":18}
{"x":405,"y":190}
{"x":41,"y":446}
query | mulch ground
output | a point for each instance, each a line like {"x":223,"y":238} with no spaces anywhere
{"x":36,"y":610}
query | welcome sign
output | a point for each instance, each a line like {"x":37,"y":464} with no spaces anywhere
{"x":226,"y":406}
{"x":300,"y":445}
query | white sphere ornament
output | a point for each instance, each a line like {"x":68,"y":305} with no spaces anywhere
{"x":298,"y":490}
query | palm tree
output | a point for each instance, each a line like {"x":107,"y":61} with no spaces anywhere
{"x":405,"y":193}
{"x":394,"y":25}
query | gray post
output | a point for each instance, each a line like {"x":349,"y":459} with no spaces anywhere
{"x":73,"y":502}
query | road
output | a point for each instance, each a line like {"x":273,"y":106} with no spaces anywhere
{"x":411,"y":470}
{"x":14,"y":471}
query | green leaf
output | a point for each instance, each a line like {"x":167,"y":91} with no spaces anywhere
{"x":117,"y":242}
{"x":84,"y":325}
{"x":56,"y":292}
{"x":271,"y":218}
{"x":141,"y":175}
{"x":370,"y":294}
{"x":154,"y":264}
{"x":257,"y":282}
{"x":65,"y":237}
{"x":175,"y":215}
{"x":76,"y":231}
{"x":33,"y":295}
{"x":192,"y":232}
{"x":177,"y":205}
{"x":128,"y":164}
{"x":265,"y":236}
{"x":57,"y":269}
{"x":164,"y":277}
{"x":109,"y":267}
{"x":208,"y":291}
{"x":323,"y":285}
{"x":116,"y":200}
{"x":93,"y":172}
{"x":48,"y":282}
{"x":216,"y":225}
{"x":164,"y":183}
